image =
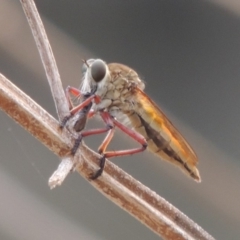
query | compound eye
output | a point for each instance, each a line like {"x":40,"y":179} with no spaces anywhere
{"x":86,"y":65}
{"x":98,"y":70}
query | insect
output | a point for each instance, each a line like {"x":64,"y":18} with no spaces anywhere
{"x":120,"y":100}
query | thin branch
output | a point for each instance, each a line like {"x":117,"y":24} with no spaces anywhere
{"x":53,"y":76}
{"x":47,"y":57}
{"x":64,"y":168}
{"x":118,"y":186}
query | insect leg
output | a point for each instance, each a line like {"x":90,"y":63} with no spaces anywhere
{"x":108,"y":120}
{"x":74,"y":91}
{"x":109,"y":126}
{"x":86,"y":134}
{"x":88,"y":98}
{"x":83,"y":104}
{"x":82,"y":113}
{"x":136,"y":136}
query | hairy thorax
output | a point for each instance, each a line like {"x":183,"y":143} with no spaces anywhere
{"x":117,"y":91}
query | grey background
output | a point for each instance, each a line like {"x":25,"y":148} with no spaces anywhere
{"x":187,"y":52}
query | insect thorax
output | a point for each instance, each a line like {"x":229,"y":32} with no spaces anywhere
{"x":117,"y":92}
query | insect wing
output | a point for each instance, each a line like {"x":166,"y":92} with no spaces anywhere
{"x":163,"y":138}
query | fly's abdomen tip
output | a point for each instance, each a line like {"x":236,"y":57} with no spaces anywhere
{"x":196,"y":175}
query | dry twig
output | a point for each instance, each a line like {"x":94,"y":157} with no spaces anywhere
{"x":54,"y":81}
{"x":138,"y":200}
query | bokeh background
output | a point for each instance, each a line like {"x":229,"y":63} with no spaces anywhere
{"x":187,"y":52}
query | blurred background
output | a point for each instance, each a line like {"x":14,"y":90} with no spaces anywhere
{"x":187,"y":52}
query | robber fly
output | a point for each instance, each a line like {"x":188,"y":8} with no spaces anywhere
{"x":120,"y":100}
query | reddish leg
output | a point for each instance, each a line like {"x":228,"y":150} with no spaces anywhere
{"x":83,"y":109}
{"x":106,"y":141}
{"x":91,"y":113}
{"x":73,"y":110}
{"x":88,"y":133}
{"x":75,"y":92}
{"x":136,"y":136}
{"x":83,"y":104}
{"x":109,"y":126}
